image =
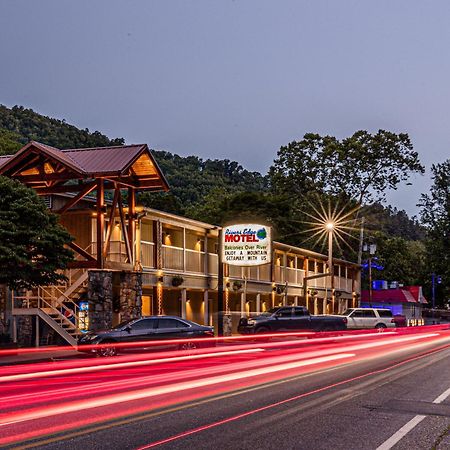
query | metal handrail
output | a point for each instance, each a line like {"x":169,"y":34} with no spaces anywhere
{"x":61,"y":305}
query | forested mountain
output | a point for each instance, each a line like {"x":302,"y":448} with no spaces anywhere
{"x":19,"y":125}
{"x":221,"y":191}
{"x":191,"y":178}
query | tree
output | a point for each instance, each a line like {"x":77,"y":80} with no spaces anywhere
{"x":9,"y":142}
{"x":402,"y":260}
{"x":435,"y":215}
{"x":24,"y":125}
{"x":221,"y":207}
{"x":31,"y":240}
{"x":191,"y":179}
{"x":362,"y":167}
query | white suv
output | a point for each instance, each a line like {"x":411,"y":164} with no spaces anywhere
{"x":369,"y":318}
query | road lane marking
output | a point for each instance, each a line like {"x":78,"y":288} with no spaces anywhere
{"x":405,"y":429}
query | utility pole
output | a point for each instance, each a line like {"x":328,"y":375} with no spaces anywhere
{"x":370,"y":280}
{"x":361,"y":238}
{"x":433,"y":294}
{"x":371,"y":250}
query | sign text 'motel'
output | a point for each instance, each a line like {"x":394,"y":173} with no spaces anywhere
{"x":246,"y":245}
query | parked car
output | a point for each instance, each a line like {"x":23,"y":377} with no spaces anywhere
{"x":151,"y":328}
{"x":379,"y":318}
{"x":290,"y":318}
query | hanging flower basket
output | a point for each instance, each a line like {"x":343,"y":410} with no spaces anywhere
{"x":237,"y":285}
{"x":279,"y":289}
{"x":177,"y":281}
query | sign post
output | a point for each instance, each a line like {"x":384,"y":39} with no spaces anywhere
{"x":245,"y":245}
{"x":220,"y":302}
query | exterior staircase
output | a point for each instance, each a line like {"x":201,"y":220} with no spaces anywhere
{"x":57,"y":305}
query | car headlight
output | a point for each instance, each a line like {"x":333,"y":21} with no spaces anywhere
{"x":251,"y":322}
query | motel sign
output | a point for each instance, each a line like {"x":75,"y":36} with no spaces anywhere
{"x":246,"y":244}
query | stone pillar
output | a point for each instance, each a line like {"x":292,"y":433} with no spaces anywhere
{"x":100,"y":295}
{"x":25,"y":331}
{"x":4,"y":319}
{"x":227,"y":325}
{"x":130,"y":295}
{"x":258,"y":303}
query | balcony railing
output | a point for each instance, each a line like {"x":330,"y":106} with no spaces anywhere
{"x":177,"y":258}
{"x":173,"y":258}
{"x":147,"y":254}
{"x":195,"y":261}
{"x":212,"y":263}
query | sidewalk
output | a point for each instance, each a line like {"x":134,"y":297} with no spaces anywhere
{"x":43,"y":354}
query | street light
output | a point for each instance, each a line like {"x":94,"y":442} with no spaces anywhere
{"x":335,"y":225}
{"x":330,"y":228}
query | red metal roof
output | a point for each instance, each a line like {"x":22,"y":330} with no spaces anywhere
{"x":97,"y":162}
{"x":407,"y":294}
{"x":104,"y":159}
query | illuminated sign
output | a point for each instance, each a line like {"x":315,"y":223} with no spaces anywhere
{"x":83,"y":317}
{"x":246,"y":245}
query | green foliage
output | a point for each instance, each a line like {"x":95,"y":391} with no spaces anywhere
{"x":403,"y":260}
{"x":26,"y":125}
{"x":220,"y":207}
{"x":192,"y":179}
{"x":362,"y":167}
{"x":392,"y":222}
{"x":31,"y":240}
{"x":435,"y":215}
{"x":10,"y":142}
{"x":306,"y":173}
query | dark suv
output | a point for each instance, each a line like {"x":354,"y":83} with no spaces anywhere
{"x":151,"y":328}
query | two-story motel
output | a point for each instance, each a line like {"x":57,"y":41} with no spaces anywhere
{"x":132,"y":261}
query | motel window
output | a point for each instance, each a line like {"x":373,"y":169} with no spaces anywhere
{"x":147,"y":232}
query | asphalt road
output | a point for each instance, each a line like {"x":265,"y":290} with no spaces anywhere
{"x":361,"y":393}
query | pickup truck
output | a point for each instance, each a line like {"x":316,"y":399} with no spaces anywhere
{"x":290,"y":318}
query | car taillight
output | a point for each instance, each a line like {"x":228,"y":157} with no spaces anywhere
{"x":344,"y":319}
{"x":209,"y":333}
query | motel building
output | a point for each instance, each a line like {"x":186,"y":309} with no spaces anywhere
{"x":132,"y":261}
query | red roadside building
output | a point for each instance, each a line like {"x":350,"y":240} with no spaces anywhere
{"x":408,"y":300}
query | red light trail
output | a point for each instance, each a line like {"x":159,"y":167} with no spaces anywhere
{"x":31,"y":395}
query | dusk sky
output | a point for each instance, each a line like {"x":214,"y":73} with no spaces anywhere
{"x":235,"y":79}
